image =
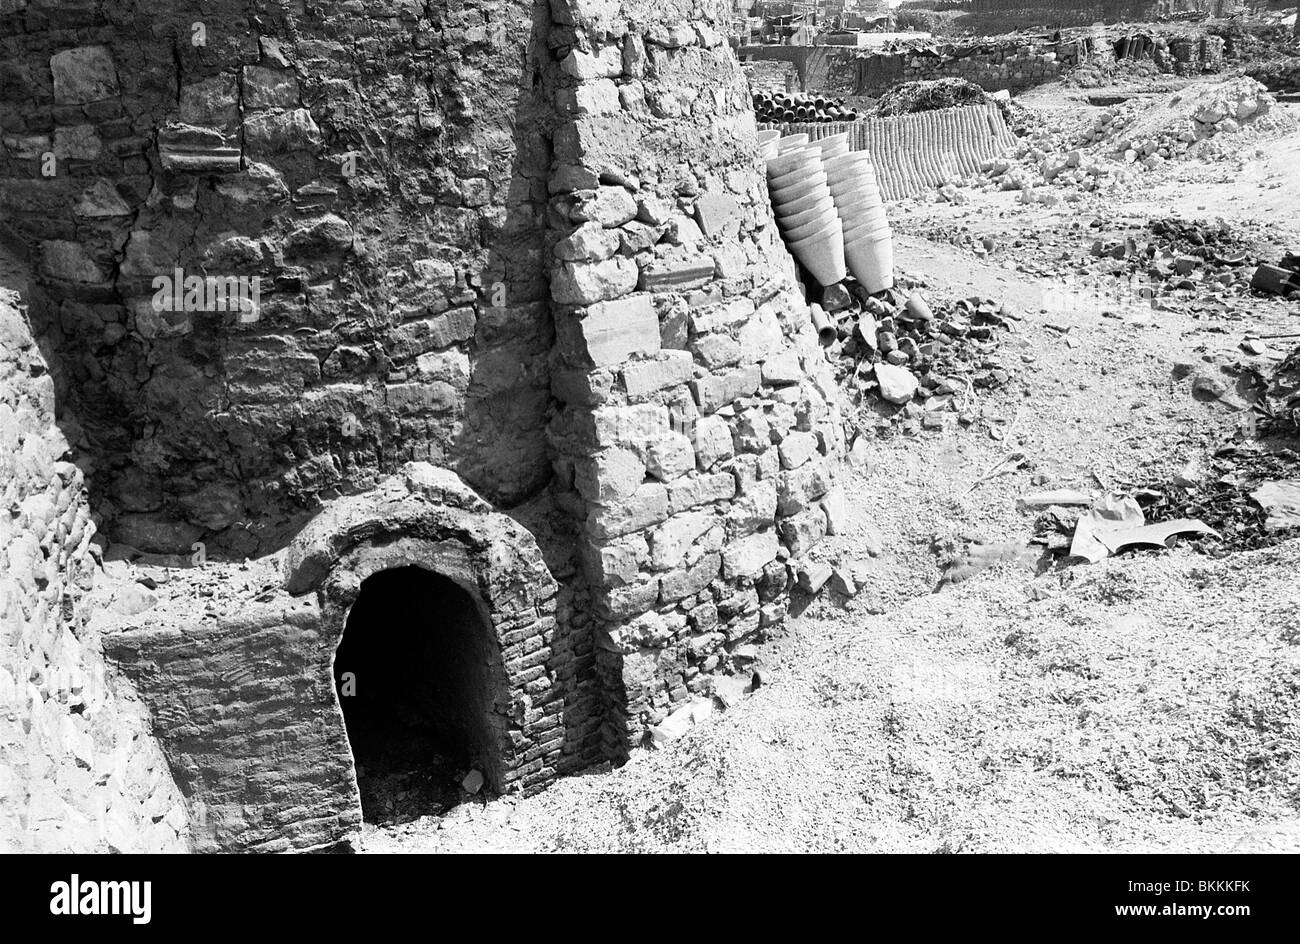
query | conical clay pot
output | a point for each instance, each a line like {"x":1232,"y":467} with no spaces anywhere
{"x":871,"y":261}
{"x":822,"y":254}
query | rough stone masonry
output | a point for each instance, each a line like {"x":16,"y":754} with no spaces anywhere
{"x":525,"y":321}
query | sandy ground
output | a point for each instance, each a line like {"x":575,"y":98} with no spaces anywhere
{"x":1148,"y":703}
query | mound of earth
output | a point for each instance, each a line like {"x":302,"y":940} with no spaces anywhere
{"x":911,"y":97}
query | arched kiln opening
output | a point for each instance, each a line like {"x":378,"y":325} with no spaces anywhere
{"x":417,"y":672}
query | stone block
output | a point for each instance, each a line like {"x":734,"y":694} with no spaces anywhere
{"x":610,"y":475}
{"x":610,"y":332}
{"x":638,"y":426}
{"x":617,"y":563}
{"x":604,"y":63}
{"x":626,"y":601}
{"x":796,"y":449}
{"x":798,"y":490}
{"x":85,"y":74}
{"x":698,"y":490}
{"x":647,"y":506}
{"x":718,"y":214}
{"x":802,"y":532}
{"x":716,"y":391}
{"x":836,"y":507}
{"x":585,"y":283}
{"x":760,"y":336}
{"x":269,"y":88}
{"x":752,"y":511}
{"x":671,"y":540}
{"x":747,"y":556}
{"x":690,"y":580}
{"x":609,"y":206}
{"x":677,"y":275}
{"x":281,"y":132}
{"x":670,"y":457}
{"x":712,"y":441}
{"x":641,"y":378}
{"x":721,"y":317}
{"x":590,"y":242}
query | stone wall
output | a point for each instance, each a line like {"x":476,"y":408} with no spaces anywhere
{"x":378,"y":165}
{"x":79,"y":769}
{"x":696,"y":437}
{"x":1011,"y":65}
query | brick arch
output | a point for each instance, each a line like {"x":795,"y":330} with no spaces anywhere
{"x":428,"y":518}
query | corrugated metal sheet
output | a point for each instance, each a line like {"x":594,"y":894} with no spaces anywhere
{"x":919,"y":152}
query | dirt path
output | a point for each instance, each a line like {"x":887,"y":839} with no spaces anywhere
{"x":1145,"y":703}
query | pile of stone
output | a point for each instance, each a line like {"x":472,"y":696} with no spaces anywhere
{"x":785,"y":107}
{"x":1210,"y":259}
{"x":914,"y":364}
{"x":1127,"y":139}
{"x":1195,"y":115}
{"x":1182,"y":255}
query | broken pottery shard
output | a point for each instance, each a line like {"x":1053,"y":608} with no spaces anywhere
{"x":1111,"y":513}
{"x":1281,"y":499}
{"x":1153,"y":535}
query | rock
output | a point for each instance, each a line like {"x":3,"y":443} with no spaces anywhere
{"x":836,"y":297}
{"x":610,"y":332}
{"x":1205,"y":387}
{"x":842,"y":582}
{"x":813,"y":576}
{"x":608,"y":206}
{"x":747,"y":557}
{"x":473,"y":782}
{"x":583,"y":283}
{"x":897,"y":384}
{"x":82,"y":75}
{"x":796,"y":449}
{"x":670,"y":457}
{"x":860,"y":453}
{"x":730,"y":690}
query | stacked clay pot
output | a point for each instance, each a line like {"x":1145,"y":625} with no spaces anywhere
{"x":868,"y":242}
{"x":805,"y":209}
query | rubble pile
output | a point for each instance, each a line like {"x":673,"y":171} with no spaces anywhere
{"x":778,"y":107}
{"x":1212,"y":260}
{"x":914,"y":364}
{"x":1195,"y":114}
{"x":1179,"y":254}
{"x":1128,"y":138}
{"x":911,"y":97}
